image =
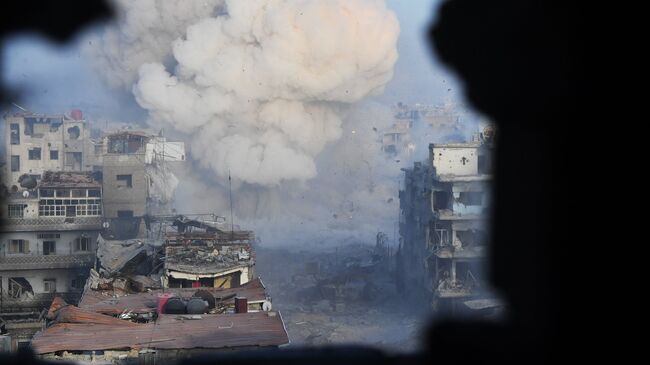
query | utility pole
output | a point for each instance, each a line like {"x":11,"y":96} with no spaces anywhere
{"x":232,"y":222}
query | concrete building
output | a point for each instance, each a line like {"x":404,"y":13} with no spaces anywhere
{"x":444,"y":207}
{"x":47,"y":247}
{"x":36,"y":143}
{"x":137,"y":180}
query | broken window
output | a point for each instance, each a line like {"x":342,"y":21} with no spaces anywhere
{"x":49,"y":285}
{"x":19,"y":287}
{"x":14,"y":133}
{"x":16,"y":210}
{"x":49,"y":247}
{"x":15,"y":163}
{"x":471,"y":198}
{"x":54,"y":155}
{"x":73,"y":161}
{"x":82,"y":244}
{"x":124,"y":181}
{"x":18,"y":246}
{"x":34,"y":153}
{"x":74,"y":132}
{"x":440,"y":200}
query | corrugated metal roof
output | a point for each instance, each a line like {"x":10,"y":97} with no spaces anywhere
{"x":103,"y":301}
{"x":168,"y":332}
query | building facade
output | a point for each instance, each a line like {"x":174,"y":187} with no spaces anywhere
{"x":444,"y":208}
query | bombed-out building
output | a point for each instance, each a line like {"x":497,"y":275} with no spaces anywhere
{"x":444,"y":208}
{"x":47,"y":246}
{"x":36,"y":143}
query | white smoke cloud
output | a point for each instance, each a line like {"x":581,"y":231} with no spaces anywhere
{"x":256,"y":87}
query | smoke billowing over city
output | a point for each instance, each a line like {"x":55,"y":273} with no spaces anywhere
{"x":184,"y":150}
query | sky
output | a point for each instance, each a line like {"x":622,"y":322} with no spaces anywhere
{"x":54,"y":78}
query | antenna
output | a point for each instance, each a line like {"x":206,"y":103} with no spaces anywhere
{"x":19,"y":107}
{"x":232,"y":222}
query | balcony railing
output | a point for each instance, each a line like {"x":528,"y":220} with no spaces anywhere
{"x":51,"y":224}
{"x":30,"y":262}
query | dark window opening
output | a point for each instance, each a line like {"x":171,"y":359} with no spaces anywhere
{"x":125,"y":181}
{"x":49,"y":247}
{"x":54,"y":155}
{"x":471,"y":198}
{"x":49,"y":285}
{"x":34,"y":153}
{"x":15,"y":163}
{"x":18,"y":246}
{"x":440,"y":200}
{"x":125,"y":214}
{"x":82,"y":244}
{"x":94,"y":193}
{"x":14,"y":133}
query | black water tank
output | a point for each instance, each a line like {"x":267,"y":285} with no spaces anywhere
{"x":207,"y":296}
{"x":175,"y":306}
{"x":27,"y":181}
{"x":197,"y":306}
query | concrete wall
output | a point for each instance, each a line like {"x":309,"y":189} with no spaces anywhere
{"x":64,"y":244}
{"x":458,"y":160}
{"x":47,"y":140}
{"x":35,"y":278}
{"x":117,"y":197}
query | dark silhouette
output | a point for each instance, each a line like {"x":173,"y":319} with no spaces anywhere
{"x":514,"y":59}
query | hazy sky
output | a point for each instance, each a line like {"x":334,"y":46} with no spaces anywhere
{"x":52,"y":78}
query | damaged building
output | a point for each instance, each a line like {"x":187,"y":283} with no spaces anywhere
{"x":47,"y":246}
{"x":35,"y":143}
{"x":137,"y":180}
{"x":190,"y":291}
{"x":444,"y":207}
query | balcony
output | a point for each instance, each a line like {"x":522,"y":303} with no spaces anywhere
{"x":32,"y":262}
{"x":51,"y":224}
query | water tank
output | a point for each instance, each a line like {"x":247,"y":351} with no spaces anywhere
{"x":27,"y":181}
{"x":162,"y":298}
{"x":197,"y":306}
{"x":175,"y":306}
{"x":76,"y":114}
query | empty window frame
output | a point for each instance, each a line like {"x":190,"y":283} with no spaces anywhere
{"x":82,"y":244}
{"x":34,"y":153}
{"x":18,"y":246}
{"x":14,"y":133}
{"x":49,"y":247}
{"x":15,"y":163}
{"x":124,"y":181}
{"x":49,"y":285}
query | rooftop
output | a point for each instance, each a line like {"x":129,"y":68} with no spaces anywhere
{"x":79,"y":329}
{"x":69,"y":179}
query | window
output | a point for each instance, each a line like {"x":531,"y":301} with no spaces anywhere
{"x":16,"y":210}
{"x":15,"y":133}
{"x":15,"y":163}
{"x":63,"y":193}
{"x":82,"y":244}
{"x":49,"y":247}
{"x":54,"y":155}
{"x":48,"y":235}
{"x":34,"y":153}
{"x":49,"y":285}
{"x":46,"y":193}
{"x":125,"y":214}
{"x":77,"y":283}
{"x":471,"y":198}
{"x":124,"y":181}
{"x":94,"y":193}
{"x":78,"y":193}
{"x":18,"y":246}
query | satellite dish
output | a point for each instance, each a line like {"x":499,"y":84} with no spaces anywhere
{"x":105,"y":224}
{"x":25,"y":194}
{"x":266,"y":306}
